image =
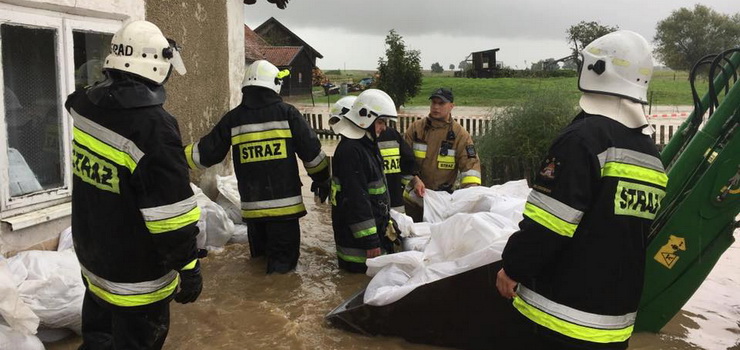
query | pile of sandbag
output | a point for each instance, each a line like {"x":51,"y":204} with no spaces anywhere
{"x":41,"y":291}
{"x":466,"y":229}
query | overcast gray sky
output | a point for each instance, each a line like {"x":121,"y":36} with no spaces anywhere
{"x":350,"y":33}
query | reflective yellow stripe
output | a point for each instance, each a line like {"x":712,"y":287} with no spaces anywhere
{"x":350,"y":258}
{"x":366,"y":232}
{"x":174,"y":223}
{"x":262,"y":135}
{"x":379,"y":190}
{"x":189,"y":156}
{"x":390,"y":151}
{"x":569,"y":329}
{"x":470,"y":180}
{"x":446,"y":159}
{"x":420,"y":154}
{"x":261,"y":213}
{"x":550,"y":221}
{"x":190,"y":265}
{"x":324,"y":163}
{"x":135,"y":299}
{"x":117,"y":156}
{"x":635,"y":172}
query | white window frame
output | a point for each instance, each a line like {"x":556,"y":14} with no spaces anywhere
{"x":64,"y":24}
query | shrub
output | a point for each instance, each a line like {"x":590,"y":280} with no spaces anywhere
{"x":519,"y":135}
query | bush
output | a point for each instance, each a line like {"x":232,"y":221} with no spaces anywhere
{"x":519,"y":136}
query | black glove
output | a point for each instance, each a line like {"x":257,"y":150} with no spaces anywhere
{"x":191,"y":284}
{"x":321,"y":189}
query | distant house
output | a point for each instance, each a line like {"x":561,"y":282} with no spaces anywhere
{"x":484,"y":63}
{"x":286,"y":50}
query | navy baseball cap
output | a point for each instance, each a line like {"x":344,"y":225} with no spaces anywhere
{"x":444,"y":93}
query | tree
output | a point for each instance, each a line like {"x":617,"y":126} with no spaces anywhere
{"x":548,"y":64}
{"x":570,"y":64}
{"x":452,"y":66}
{"x":685,"y":36}
{"x":400,"y":71}
{"x":437,"y":68}
{"x":464,"y":65}
{"x":584,"y":33}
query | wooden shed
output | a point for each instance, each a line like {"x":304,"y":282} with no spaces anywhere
{"x":484,"y":63}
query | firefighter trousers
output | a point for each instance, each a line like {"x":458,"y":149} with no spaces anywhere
{"x":279,"y":240}
{"x":104,"y":328}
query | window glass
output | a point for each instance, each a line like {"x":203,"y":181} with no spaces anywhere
{"x":32,"y":108}
{"x":90,"y":50}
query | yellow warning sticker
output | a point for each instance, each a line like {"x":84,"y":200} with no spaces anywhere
{"x":667,"y":254}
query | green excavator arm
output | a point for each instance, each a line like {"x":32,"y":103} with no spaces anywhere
{"x":695,"y":224}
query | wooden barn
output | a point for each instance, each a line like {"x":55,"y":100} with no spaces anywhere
{"x":287,"y":50}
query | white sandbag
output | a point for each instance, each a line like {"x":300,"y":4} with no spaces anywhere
{"x":408,"y":227}
{"x":65,"y":240}
{"x":506,"y":199}
{"x":12,"y":308}
{"x":240,"y":234}
{"x":219,"y":227}
{"x":228,"y":197}
{"x":215,"y":226}
{"x":415,"y":243}
{"x":11,"y":339}
{"x":464,"y":234}
{"x":407,"y":261}
{"x":52,"y":287}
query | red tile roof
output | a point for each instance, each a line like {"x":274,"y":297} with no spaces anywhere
{"x":253,"y":44}
{"x":281,"y":56}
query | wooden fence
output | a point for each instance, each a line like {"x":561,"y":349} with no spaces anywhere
{"x":665,"y":125}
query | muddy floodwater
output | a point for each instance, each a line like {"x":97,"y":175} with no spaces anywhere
{"x":242,"y":308}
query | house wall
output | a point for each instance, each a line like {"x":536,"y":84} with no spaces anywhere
{"x":211,"y":34}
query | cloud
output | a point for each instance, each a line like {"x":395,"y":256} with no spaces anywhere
{"x":351,"y":32}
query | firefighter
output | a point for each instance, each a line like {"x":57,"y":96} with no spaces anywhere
{"x":359,"y":195}
{"x":134,"y":214}
{"x":398,"y":164}
{"x":398,"y":158}
{"x":265,"y":135}
{"x":575,"y":268}
{"x":443,"y":149}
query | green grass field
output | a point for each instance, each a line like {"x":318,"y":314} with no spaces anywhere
{"x":667,"y":88}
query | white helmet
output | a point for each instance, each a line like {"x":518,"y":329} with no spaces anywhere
{"x":264,"y":74}
{"x":340,"y":108}
{"x":140,"y":48}
{"x":619,"y":63}
{"x":371,"y":104}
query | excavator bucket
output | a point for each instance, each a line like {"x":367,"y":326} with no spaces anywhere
{"x":463,"y":311}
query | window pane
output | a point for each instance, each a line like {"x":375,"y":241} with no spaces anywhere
{"x":33,"y":113}
{"x":90,"y":51}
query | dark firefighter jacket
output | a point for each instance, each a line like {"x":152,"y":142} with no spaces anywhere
{"x":264,"y":134}
{"x":133,"y":211}
{"x":580,"y":252}
{"x":442,"y":149}
{"x":359,"y":198}
{"x":398,"y":164}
